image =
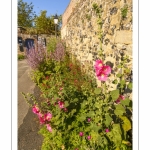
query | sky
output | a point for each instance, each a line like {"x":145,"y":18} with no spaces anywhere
{"x":52,"y":6}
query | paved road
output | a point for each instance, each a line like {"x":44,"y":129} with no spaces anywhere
{"x":28,"y":123}
{"x":24,"y":85}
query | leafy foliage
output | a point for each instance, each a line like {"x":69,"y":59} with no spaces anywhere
{"x":25,"y":14}
{"x":21,"y":56}
{"x":78,"y":105}
{"x":45,"y":24}
{"x":84,"y":116}
{"x":35,"y":56}
{"x":124,"y":11}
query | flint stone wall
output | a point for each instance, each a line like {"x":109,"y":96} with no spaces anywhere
{"x":80,"y":30}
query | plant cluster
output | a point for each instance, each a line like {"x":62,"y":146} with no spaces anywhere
{"x":35,"y":56}
{"x":124,"y":11}
{"x":74,"y":113}
{"x":21,"y":56}
{"x":98,"y":12}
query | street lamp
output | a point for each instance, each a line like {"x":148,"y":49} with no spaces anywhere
{"x":55,"y":22}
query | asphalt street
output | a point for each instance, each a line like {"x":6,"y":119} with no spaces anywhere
{"x":28,"y":123}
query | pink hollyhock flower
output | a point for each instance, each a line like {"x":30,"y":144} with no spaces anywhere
{"x":48,"y":116}
{"x":61,"y":104}
{"x":42,"y":120}
{"x":89,"y":119}
{"x":106,"y":130}
{"x":49,"y":128}
{"x":35,"y":109}
{"x":106,"y":70}
{"x":81,"y":133}
{"x":121,"y":97}
{"x":98,"y":64}
{"x":117,"y":101}
{"x":102,"y":77}
{"x":102,"y":71}
{"x":89,"y":137}
{"x":60,"y":88}
{"x":40,"y":114}
{"x":65,"y":109}
{"x":47,"y":77}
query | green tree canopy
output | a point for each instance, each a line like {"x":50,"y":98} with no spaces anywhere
{"x":26,"y":15}
{"x":45,"y":24}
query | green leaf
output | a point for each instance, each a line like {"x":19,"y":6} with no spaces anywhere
{"x":75,"y":100}
{"x":119,"y":75}
{"x":119,"y":66}
{"x":95,"y":127}
{"x":130,"y":86}
{"x":127,"y":71}
{"x":44,"y":81}
{"x":108,"y":120}
{"x":122,"y":82}
{"x":119,"y":110}
{"x":90,"y":99}
{"x":73,"y":111}
{"x":115,"y":81}
{"x":127,"y":124}
{"x":117,"y":134}
{"x":114,"y":94}
{"x":82,"y":117}
{"x":97,"y":91}
{"x":91,"y":114}
{"x":126,"y":102}
{"x":97,"y":105}
{"x":83,"y":104}
{"x":66,"y":104}
{"x":106,"y":108}
{"x":48,"y":72}
{"x":126,"y":143}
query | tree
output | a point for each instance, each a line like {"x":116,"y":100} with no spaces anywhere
{"x":45,"y":24}
{"x":25,"y":14}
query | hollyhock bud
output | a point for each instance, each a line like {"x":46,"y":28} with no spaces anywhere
{"x":121,"y":97}
{"x":60,"y":88}
{"x":106,"y":130}
{"x":89,"y":119}
{"x":65,"y":109}
{"x":81,"y":133}
{"x":89,"y":137}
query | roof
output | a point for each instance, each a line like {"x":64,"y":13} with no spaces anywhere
{"x":21,"y":27}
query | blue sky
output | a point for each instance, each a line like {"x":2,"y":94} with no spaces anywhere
{"x":52,"y":6}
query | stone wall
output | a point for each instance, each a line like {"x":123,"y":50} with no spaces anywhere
{"x":80,"y":30}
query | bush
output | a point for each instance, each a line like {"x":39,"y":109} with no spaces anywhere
{"x":35,"y":57}
{"x":75,"y":113}
{"x":21,"y":56}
